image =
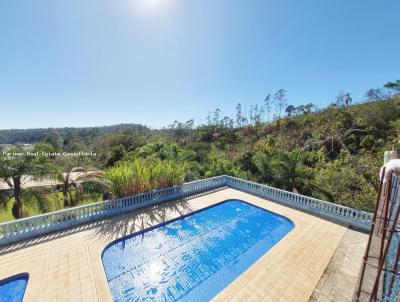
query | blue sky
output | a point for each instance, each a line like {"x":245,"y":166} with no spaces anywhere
{"x":102,"y":62}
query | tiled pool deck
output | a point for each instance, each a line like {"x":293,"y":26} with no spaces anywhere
{"x":67,"y":266}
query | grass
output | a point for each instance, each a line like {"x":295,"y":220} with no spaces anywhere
{"x":6,"y":214}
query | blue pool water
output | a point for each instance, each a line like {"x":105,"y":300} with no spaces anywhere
{"x":192,"y":258}
{"x":13,"y":289}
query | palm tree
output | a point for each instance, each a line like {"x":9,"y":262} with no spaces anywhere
{"x":284,"y":168}
{"x":261,"y":161}
{"x":75,"y":178}
{"x":20,"y":167}
{"x":290,"y":173}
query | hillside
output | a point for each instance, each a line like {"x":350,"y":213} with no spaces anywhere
{"x":333,"y":154}
{"x":29,"y":136}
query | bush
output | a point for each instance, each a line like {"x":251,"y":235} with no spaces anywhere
{"x":141,"y":175}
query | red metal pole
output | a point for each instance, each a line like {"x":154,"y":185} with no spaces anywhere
{"x":375,"y":288}
{"x":365,"y":258}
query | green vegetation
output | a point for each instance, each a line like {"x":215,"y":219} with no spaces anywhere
{"x":333,"y":153}
{"x":13,"y":168}
{"x":76,"y":179}
{"x":131,"y":177}
{"x":27,"y":136}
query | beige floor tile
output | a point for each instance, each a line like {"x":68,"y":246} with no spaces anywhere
{"x":69,"y":267}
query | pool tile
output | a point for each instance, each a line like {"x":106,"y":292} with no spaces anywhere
{"x":301,"y":256}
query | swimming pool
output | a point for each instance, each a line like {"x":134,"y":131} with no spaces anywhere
{"x":13,"y":288}
{"x":192,"y":258}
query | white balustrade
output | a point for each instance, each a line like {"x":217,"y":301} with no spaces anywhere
{"x":31,"y":227}
{"x":338,"y":213}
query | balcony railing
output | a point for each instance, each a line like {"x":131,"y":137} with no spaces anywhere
{"x":348,"y":216}
{"x":30,"y":227}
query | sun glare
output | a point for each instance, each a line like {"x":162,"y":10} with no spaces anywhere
{"x":150,"y":7}
{"x":152,"y":3}
{"x":155,"y":270}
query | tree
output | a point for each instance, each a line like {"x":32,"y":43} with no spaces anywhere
{"x":267,"y":105}
{"x":116,"y":154}
{"x":189,"y":124}
{"x":74,"y":143}
{"x":300,"y":109}
{"x":75,"y":178}
{"x":344,"y":99}
{"x":344,"y":180}
{"x":393,"y":86}
{"x":290,"y":173}
{"x":227,"y":122}
{"x":258,"y":114}
{"x":239,"y":115}
{"x":222,"y":167}
{"x":251,"y":115}
{"x":55,"y":140}
{"x":308,"y":107}
{"x":348,"y":100}
{"x":188,"y":127}
{"x":18,"y":166}
{"x":337,"y":131}
{"x":376,"y":94}
{"x":290,"y":110}
{"x":209,"y":119}
{"x":280,"y":100}
{"x":285,"y":170}
{"x":261,"y":161}
{"x":216,"y":117}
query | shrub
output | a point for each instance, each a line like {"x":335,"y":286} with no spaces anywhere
{"x":141,"y":175}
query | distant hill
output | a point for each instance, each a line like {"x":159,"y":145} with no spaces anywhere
{"x":29,"y":136}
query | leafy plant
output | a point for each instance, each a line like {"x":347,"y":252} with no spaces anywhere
{"x":140,"y":175}
{"x":19,"y":166}
{"x":75,"y":179}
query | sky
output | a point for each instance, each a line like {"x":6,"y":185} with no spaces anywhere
{"x":103,"y":62}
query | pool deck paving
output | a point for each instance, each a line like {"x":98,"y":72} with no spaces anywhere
{"x":340,"y":279}
{"x":304,"y":265}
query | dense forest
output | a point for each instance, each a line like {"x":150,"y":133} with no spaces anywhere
{"x":28,"y":136}
{"x":333,"y":153}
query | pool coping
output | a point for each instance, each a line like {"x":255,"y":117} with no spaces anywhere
{"x":156,"y":226}
{"x":101,"y":281}
{"x":187,"y":215}
{"x":53,"y":277}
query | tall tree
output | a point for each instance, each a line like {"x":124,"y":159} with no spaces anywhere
{"x":239,"y":115}
{"x":280,"y":100}
{"x":344,"y":99}
{"x":216,"y":117}
{"x":251,"y":114}
{"x":18,"y":166}
{"x":209,"y":119}
{"x":258,"y":114}
{"x":267,"y":105}
{"x":241,"y":119}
